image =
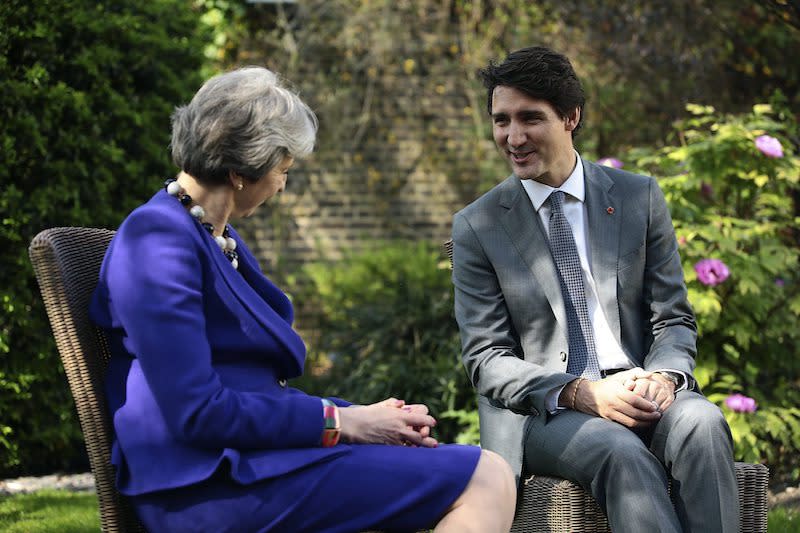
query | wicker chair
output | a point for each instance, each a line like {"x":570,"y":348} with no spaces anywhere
{"x":548,"y":504}
{"x":67,"y":262}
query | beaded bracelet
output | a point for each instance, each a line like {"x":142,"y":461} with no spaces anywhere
{"x":332,"y":429}
{"x":575,"y":393}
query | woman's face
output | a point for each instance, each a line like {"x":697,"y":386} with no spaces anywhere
{"x":254,"y":194}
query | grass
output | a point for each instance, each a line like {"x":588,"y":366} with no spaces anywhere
{"x":54,"y":511}
{"x":49,"y":511}
{"x":783,"y":519}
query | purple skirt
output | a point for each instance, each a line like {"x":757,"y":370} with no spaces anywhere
{"x":388,"y":488}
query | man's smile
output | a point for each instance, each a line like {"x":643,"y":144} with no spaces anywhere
{"x":519,"y":157}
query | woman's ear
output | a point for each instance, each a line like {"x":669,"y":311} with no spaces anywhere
{"x":236,"y":181}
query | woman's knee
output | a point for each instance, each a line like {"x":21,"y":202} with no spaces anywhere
{"x":494,"y":475}
{"x":489,"y":500}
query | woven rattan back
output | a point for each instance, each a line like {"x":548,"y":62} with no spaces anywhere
{"x":448,"y":248}
{"x":67,"y":262}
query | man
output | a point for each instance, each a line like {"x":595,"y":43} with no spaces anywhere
{"x":575,"y":326}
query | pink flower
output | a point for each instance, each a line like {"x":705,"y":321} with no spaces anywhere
{"x":769,"y":146}
{"x":610,"y":162}
{"x":780,"y":282}
{"x":711,"y":271}
{"x":740,"y":403}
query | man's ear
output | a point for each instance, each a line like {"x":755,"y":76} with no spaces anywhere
{"x":572,"y":119}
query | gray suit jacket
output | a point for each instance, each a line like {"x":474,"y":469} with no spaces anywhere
{"x":510,"y":310}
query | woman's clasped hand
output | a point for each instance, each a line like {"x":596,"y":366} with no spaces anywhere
{"x":388,"y":422}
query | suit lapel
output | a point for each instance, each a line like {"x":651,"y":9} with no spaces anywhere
{"x":525,"y":230}
{"x":604,"y":211}
{"x":265,"y":302}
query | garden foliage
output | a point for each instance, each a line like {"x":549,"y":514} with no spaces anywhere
{"x":386,"y":328}
{"x":732,"y":187}
{"x":86,"y":89}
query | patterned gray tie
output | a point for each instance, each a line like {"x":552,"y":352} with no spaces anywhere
{"x":582,"y":352}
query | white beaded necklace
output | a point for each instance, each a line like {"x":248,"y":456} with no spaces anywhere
{"x":226,"y":243}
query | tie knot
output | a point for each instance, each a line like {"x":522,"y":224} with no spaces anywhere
{"x":556,"y":200}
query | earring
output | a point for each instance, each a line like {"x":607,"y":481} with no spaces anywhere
{"x":239,"y":186}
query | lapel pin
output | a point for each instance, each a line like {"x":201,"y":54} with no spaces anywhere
{"x":610,"y":210}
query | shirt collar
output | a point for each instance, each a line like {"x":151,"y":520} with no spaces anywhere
{"x":574,"y":186}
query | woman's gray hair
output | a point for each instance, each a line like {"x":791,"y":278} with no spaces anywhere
{"x":244,"y":121}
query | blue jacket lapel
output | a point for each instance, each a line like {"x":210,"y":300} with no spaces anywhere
{"x":265,"y":302}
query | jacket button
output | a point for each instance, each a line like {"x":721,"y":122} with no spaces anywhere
{"x":282,"y":383}
{"x":563,"y":356}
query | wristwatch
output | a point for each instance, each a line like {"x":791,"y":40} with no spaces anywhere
{"x":676,"y":379}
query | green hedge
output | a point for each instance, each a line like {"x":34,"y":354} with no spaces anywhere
{"x":386,"y":328}
{"x":86,"y":91}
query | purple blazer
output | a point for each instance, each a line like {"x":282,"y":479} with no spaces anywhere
{"x":200,"y":357}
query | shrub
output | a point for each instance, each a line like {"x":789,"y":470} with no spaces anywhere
{"x":86,"y":89}
{"x":731,"y":185}
{"x":386,"y":328}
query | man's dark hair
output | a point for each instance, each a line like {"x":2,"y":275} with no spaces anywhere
{"x":540,"y":73}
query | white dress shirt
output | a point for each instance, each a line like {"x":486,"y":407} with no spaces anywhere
{"x":609,"y":352}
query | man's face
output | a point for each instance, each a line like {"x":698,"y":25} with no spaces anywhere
{"x":529,"y":132}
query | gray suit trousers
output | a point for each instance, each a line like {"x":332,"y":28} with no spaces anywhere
{"x":627,"y":472}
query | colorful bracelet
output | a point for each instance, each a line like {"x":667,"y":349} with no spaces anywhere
{"x":332,"y":430}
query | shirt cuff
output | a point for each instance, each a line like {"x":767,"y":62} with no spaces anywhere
{"x":551,"y":400}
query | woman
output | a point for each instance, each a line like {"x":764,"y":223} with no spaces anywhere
{"x":209,"y":437}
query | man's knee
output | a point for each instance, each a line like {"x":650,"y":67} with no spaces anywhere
{"x":696,"y":418}
{"x":614,"y":454}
